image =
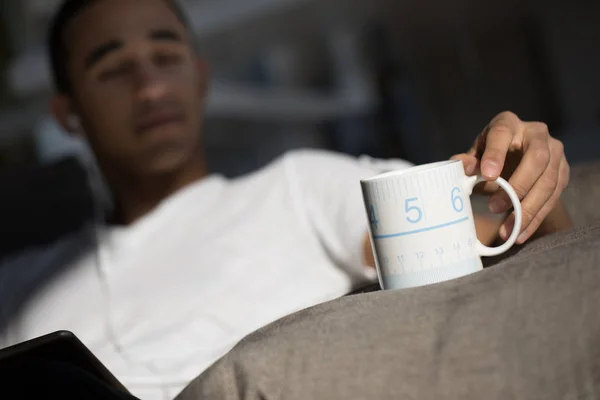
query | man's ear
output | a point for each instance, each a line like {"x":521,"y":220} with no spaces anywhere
{"x":62,"y":110}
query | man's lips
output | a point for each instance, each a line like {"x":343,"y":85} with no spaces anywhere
{"x":157,"y":121}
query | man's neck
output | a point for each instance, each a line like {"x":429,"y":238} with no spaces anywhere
{"x":138,"y":197}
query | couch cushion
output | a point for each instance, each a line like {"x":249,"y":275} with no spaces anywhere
{"x":582,"y":196}
{"x":526,"y":328}
{"x":39,"y":204}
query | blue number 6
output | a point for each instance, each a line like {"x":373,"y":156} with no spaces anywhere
{"x":408,"y":208}
{"x":457,"y":201}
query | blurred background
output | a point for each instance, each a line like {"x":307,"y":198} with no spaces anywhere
{"x":409,"y":79}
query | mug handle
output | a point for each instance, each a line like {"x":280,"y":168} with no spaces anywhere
{"x":494,"y":251}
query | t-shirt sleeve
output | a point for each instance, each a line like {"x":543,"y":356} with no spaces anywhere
{"x":328,"y":185}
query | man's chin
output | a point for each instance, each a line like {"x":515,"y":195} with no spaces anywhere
{"x":165,"y":162}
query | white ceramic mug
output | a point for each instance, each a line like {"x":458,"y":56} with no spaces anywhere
{"x":421,"y":224}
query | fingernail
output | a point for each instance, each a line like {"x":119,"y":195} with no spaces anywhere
{"x":522,"y":238}
{"x":498,"y":205}
{"x":506,"y":228}
{"x":490,"y":169}
{"x":503,"y":232}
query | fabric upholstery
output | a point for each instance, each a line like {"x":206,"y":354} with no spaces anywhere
{"x":526,"y":328}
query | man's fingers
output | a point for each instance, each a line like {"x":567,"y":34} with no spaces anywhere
{"x":534,"y":202}
{"x":497,"y":144}
{"x":537,"y":198}
{"x":548,"y":206}
{"x":507,"y":227}
{"x":564,"y":175}
{"x":470,"y":163}
{"x":534,"y":163}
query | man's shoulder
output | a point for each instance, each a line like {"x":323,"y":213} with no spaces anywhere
{"x":313,"y":161}
{"x":317,"y":159}
{"x":308,"y":163}
{"x":301,"y":159}
{"x":312,"y":155}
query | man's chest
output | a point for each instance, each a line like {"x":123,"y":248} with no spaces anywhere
{"x":190,"y":287}
{"x":242,"y":273}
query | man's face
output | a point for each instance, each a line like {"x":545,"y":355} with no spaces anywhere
{"x":137,"y":85}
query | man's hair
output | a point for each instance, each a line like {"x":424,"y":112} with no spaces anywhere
{"x":56,"y":42}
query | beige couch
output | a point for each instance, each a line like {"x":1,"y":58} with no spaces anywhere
{"x":526,"y":328}
{"x":582,"y":196}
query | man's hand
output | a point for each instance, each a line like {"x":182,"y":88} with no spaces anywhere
{"x":530,"y":159}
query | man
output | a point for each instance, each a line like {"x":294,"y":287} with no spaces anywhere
{"x":196,"y":262}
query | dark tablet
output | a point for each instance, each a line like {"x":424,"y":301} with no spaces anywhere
{"x":58,"y":348}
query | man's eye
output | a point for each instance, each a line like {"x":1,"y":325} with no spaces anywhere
{"x":166,"y":60}
{"x":115,"y":72}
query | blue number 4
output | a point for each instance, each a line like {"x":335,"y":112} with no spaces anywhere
{"x":373,"y":218}
{"x":417,"y":214}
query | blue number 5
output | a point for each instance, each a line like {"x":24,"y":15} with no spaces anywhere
{"x":414,"y":209}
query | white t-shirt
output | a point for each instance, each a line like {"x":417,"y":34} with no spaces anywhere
{"x":161,"y":300}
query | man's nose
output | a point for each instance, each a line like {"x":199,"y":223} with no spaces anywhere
{"x":151,"y":86}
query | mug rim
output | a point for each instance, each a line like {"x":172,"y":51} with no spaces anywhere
{"x":411,"y":170}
